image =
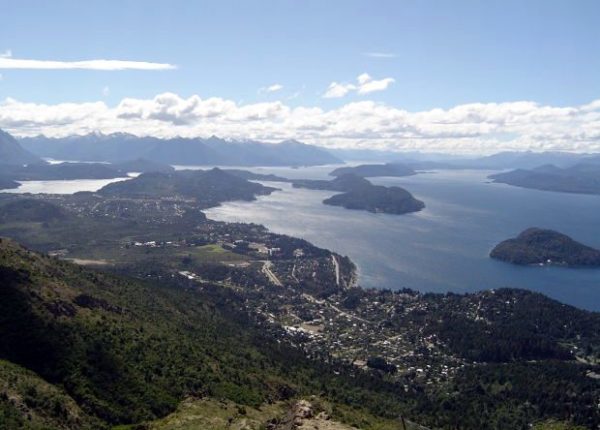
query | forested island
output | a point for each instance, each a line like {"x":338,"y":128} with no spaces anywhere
{"x":541,"y":247}
{"x":359,"y":193}
{"x":581,"y":178}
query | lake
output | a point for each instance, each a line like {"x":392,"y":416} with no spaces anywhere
{"x":70,"y":186}
{"x":444,"y":247}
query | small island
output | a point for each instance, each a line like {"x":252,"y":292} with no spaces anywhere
{"x":536,"y":246}
{"x":376,"y":170}
{"x":358,"y":193}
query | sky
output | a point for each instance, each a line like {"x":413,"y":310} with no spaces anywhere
{"x":455,"y":76}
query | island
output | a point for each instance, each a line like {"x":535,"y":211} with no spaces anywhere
{"x":375,"y":170}
{"x":581,"y":178}
{"x":358,"y":193}
{"x":536,"y":246}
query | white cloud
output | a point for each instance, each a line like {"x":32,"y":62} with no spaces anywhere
{"x":274,"y":88}
{"x":467,"y":128}
{"x":106,"y":91}
{"x":6,"y":54}
{"x":380,"y":55}
{"x":336,"y":90}
{"x":1,"y":77}
{"x":7,"y":62}
{"x":270,"y":89}
{"x":369,"y":85}
{"x":365,"y":85}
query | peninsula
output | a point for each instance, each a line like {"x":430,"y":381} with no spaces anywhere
{"x":581,"y":178}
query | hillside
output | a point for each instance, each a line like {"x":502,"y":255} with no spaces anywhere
{"x":580,"y":179}
{"x":29,"y":402}
{"x":119,"y":147}
{"x":12,"y":153}
{"x":209,"y":187}
{"x":127,"y":351}
{"x":539,"y":246}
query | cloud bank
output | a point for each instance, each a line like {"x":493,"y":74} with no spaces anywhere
{"x":7,"y":62}
{"x":467,"y":128}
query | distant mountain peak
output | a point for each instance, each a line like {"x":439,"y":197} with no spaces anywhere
{"x":11,"y":151}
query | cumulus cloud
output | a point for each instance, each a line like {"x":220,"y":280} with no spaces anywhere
{"x":369,"y":85}
{"x":365,"y":85}
{"x":8,"y":62}
{"x":467,"y":128}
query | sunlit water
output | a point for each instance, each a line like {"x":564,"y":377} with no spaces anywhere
{"x":446,"y":246}
{"x":63,"y":186}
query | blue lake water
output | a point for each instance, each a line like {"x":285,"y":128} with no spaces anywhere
{"x":443,"y":248}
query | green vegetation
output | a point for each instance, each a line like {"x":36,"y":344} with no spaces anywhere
{"x":27,"y":401}
{"x":29,"y":210}
{"x":209,"y":188}
{"x":538,"y":246}
{"x":553,"y":425}
{"x":128,"y":352}
{"x":209,"y":414}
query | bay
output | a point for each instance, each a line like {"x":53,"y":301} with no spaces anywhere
{"x":444,"y":247}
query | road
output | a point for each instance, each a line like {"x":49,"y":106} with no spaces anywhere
{"x":336,"y":265}
{"x":266,"y":269}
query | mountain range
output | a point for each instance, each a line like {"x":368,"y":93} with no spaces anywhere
{"x":118,"y":147}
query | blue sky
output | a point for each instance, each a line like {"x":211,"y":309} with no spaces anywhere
{"x":447,"y":52}
{"x":438,"y":54}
